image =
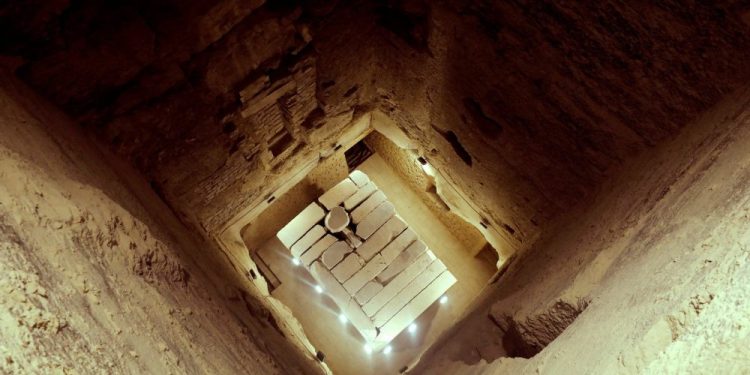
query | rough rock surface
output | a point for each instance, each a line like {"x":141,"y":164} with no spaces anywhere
{"x":92,"y":281}
{"x":253,"y":88}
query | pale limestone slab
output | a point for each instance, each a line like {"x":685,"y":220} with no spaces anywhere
{"x":416,"y":307}
{"x":408,"y":256}
{"x":368,"y":291}
{"x":348,"y":267}
{"x":367,"y":206}
{"x":399,"y":244}
{"x":362,"y":193}
{"x":317,"y":249}
{"x":367,"y":273}
{"x":295,"y":229}
{"x":342,"y":298}
{"x":359,"y":320}
{"x":359,"y":178}
{"x":408,"y":293}
{"x":398,"y":283}
{"x":330,"y":286}
{"x":375,"y":219}
{"x":381,"y":238}
{"x":338,"y":194}
{"x":335,"y":253}
{"x":311,"y":237}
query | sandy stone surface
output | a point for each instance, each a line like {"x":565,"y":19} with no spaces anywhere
{"x":91,"y":281}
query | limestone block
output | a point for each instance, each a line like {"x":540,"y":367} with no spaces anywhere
{"x":368,"y":291}
{"x":399,"y":244}
{"x":360,"y":196}
{"x":331,"y":287}
{"x":295,"y":229}
{"x":310,"y":238}
{"x":416,"y":306}
{"x":359,"y":178}
{"x":359,"y":320}
{"x":335,"y":253}
{"x":408,"y":293}
{"x":348,"y":267}
{"x":408,"y":256}
{"x":398,"y":283}
{"x":375,"y":219}
{"x":382,"y":237}
{"x":338,"y":194}
{"x":367,"y":273}
{"x":367,"y":206}
{"x":317,"y":249}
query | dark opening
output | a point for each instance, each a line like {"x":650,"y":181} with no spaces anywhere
{"x":357,"y":154}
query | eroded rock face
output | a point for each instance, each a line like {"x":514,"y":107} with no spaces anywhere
{"x":526,"y":107}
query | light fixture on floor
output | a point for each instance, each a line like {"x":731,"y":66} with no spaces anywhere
{"x":342,"y":318}
{"x":443,"y":300}
{"x":388,"y":349}
{"x":368,"y":348}
{"x":295,"y":261}
{"x":319,"y":289}
{"x":412,"y":327}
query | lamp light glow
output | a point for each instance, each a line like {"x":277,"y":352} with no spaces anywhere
{"x":319,"y":289}
{"x":342,"y":318}
{"x":443,"y":300}
{"x":388,"y":349}
{"x":412,"y":327}
{"x":295,"y":261}
{"x":368,"y":348}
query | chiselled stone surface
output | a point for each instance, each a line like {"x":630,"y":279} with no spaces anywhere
{"x":304,"y":243}
{"x":398,"y":283}
{"x":301,"y":223}
{"x":375,"y":219}
{"x":362,"y":193}
{"x":347,"y":267}
{"x":338,"y":194}
{"x":381,"y":238}
{"x":317,"y":249}
{"x":359,"y":178}
{"x":406,"y":294}
{"x":335,"y":253}
{"x":368,"y":291}
{"x":367,"y":206}
{"x":404,"y":259}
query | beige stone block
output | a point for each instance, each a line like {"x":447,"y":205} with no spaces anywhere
{"x":360,"y":196}
{"x":408,"y":256}
{"x":367,"y":292}
{"x":295,"y":229}
{"x":311,"y":237}
{"x":375,"y":219}
{"x":359,"y":178}
{"x":408,"y":293}
{"x":329,"y":283}
{"x":317,"y":249}
{"x":399,"y":244}
{"x":367,"y":273}
{"x":367,"y":206}
{"x":335,"y":253}
{"x":381,"y":238}
{"x":338,"y":194}
{"x":399,"y":282}
{"x":347,"y":267}
{"x":416,"y":307}
{"x":359,"y":320}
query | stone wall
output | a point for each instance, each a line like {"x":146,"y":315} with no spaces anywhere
{"x":526,"y":107}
